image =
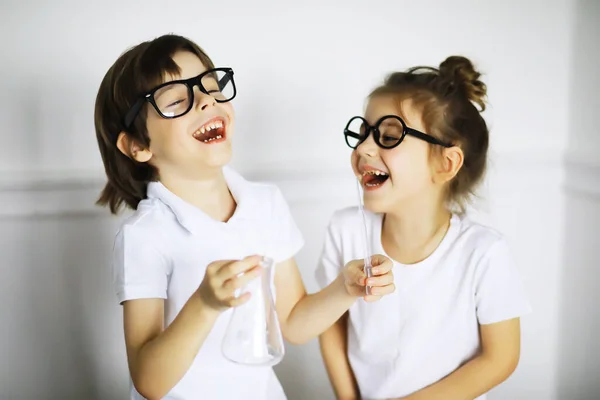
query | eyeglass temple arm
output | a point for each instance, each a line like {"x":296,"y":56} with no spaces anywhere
{"x":426,"y":138}
{"x":224,"y":81}
{"x":352,"y":134}
{"x":133,"y":112}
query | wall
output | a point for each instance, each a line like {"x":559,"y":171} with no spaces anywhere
{"x":579,"y":356}
{"x":302,"y":71}
{"x":65,"y":331}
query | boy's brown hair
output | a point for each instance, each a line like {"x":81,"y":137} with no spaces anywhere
{"x":447,"y":96}
{"x":136,"y":72}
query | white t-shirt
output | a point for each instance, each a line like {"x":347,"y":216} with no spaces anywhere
{"x":428,"y":327}
{"x":162,"y":252}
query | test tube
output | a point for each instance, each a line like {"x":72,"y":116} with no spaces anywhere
{"x":367,"y":242}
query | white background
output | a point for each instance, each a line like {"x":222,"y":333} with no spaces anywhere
{"x":302,"y":70}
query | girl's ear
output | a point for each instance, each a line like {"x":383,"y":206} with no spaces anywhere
{"x":132,"y":148}
{"x":451,"y":162}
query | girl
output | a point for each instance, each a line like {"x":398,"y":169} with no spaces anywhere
{"x":451,"y":329}
{"x":164,"y":124}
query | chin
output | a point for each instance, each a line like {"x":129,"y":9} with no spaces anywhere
{"x":378,"y":206}
{"x":219,"y":159}
{"x":216,"y":153}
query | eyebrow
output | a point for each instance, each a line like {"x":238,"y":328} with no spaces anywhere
{"x":163,"y":89}
{"x":392,"y":122}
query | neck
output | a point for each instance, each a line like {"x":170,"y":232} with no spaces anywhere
{"x":209,"y":193}
{"x":415,"y":229}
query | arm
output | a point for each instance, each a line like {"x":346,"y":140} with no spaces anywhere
{"x":295,"y":308}
{"x":158,"y":359}
{"x":499,"y":357}
{"x":301,"y":316}
{"x":334,"y":342}
{"x":304,"y":317}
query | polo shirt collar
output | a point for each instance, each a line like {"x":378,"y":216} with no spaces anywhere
{"x":194,"y":219}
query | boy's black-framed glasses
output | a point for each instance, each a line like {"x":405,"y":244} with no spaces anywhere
{"x":388,"y":132}
{"x":175,"y":98}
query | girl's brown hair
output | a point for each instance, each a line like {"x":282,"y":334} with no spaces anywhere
{"x":135,"y":72}
{"x":447,"y":96}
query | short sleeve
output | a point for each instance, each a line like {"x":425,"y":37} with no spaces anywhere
{"x":287,"y":238}
{"x":331,"y":260}
{"x":499,"y":292}
{"x":140,"y":270}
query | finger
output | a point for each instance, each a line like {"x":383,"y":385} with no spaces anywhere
{"x":214,"y":267}
{"x":241,"y":280}
{"x":212,"y":273}
{"x":238,"y":301}
{"x":380,"y":291}
{"x":370,"y":298}
{"x":238,"y":267}
{"x":380,"y":280}
{"x":381,"y":264}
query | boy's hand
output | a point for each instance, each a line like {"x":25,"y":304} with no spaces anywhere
{"x":222,"y":278}
{"x":381,"y":281}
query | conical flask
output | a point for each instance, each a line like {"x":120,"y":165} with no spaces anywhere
{"x":253,"y":336}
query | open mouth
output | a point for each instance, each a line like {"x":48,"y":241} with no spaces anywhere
{"x":212,"y":131}
{"x":373,"y":179}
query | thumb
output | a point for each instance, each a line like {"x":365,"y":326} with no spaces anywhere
{"x":378,"y":259}
{"x":356,"y":271}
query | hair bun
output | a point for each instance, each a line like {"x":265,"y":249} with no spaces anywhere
{"x":463,"y":76}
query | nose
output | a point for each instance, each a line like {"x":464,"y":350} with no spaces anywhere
{"x":203,"y":100}
{"x":368,"y":148}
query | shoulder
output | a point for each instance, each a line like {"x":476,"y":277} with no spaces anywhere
{"x":480,"y":241}
{"x":345,"y":215}
{"x":145,"y":225}
{"x":350,"y":216}
{"x":267,"y":192}
{"x":476,"y":233}
{"x":349,"y":221}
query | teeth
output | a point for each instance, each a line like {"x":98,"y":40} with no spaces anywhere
{"x":375,"y":173}
{"x":207,"y":128}
{"x":211,"y":139}
{"x":210,"y":127}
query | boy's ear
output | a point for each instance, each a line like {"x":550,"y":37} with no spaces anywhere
{"x":451,"y":162}
{"x":132,"y":148}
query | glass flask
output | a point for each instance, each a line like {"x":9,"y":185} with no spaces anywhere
{"x":253,"y":336}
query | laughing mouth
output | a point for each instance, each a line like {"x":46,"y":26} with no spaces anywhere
{"x":374,"y":178}
{"x":212,"y":131}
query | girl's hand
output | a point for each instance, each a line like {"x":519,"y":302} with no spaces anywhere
{"x":222,"y":278}
{"x":381,"y":281}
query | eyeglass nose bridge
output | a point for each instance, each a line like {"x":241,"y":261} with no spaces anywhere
{"x":370,"y":131}
{"x":196,"y":82}
{"x":201,"y":99}
{"x":224,"y":81}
